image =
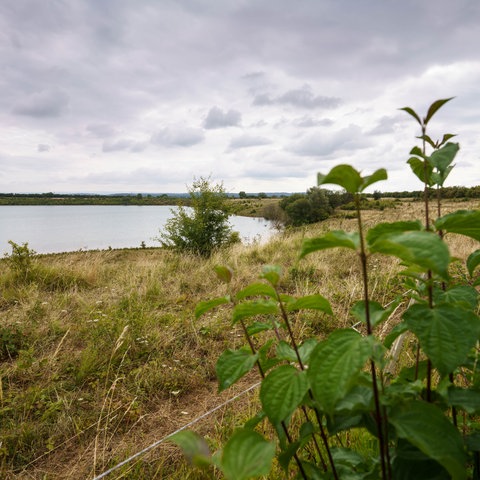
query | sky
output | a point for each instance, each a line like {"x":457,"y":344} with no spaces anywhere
{"x":144,"y":96}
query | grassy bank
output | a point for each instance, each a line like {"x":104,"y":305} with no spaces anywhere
{"x":101,"y":355}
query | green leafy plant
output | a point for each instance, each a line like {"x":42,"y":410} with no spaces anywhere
{"x":420,"y":418}
{"x":21,"y":261}
{"x":205,"y":227}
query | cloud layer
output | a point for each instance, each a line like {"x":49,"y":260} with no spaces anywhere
{"x":143,"y":96}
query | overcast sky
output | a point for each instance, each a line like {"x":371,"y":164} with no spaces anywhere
{"x":144,"y":95}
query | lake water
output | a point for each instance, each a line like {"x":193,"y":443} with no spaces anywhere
{"x":51,"y":229}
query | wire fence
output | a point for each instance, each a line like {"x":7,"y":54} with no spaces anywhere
{"x":184,"y":427}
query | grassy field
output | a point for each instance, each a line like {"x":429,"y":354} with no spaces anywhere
{"x":101,"y":355}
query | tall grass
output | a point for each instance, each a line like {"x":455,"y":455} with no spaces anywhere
{"x":100,"y":354}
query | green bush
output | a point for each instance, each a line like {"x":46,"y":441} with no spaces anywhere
{"x":204,"y":228}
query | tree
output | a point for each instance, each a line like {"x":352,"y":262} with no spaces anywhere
{"x":203,"y":227}
{"x":242,"y":194}
{"x":301,"y":208}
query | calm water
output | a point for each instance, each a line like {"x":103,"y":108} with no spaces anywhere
{"x":49,"y":229}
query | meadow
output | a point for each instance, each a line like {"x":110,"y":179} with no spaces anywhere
{"x":101,"y":354}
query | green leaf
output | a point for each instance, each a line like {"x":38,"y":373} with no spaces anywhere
{"x":306,"y":348}
{"x":335,"y":364}
{"x":203,"y":307}
{"x":332,"y":239}
{"x":282,"y":392}
{"x":411,"y":464}
{"x":257,"y":289}
{"x":396,"y":331}
{"x":417,"y":151}
{"x":447,"y":137}
{"x":359,"y":399}
{"x":412,"y":113}
{"x":265,"y":359}
{"x":423,"y":249}
{"x":444,"y":156}
{"x":344,"y":176}
{"x":434,"y":108}
{"x":428,"y":140}
{"x":446,"y":333}
{"x":271,"y":273}
{"x":461,"y":295}
{"x":257,"y":327}
{"x":378,"y":314}
{"x":473,"y":261}
{"x":473,"y":442}
{"x":194,"y":447}
{"x":286,"y":352}
{"x":312,"y":302}
{"x":466,"y":399}
{"x":391,"y":227}
{"x":224,"y":273}
{"x":252,"y":422}
{"x":233,"y":365}
{"x":425,"y":426}
{"x":257,"y":307}
{"x":247,"y":454}
{"x":419,"y":167}
{"x":464,"y":222}
{"x":376,"y":176}
{"x":306,"y":432}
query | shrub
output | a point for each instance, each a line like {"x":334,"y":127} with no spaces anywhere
{"x":204,"y":228}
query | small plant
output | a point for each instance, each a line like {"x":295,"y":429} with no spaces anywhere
{"x":327,"y":398}
{"x":21,"y":260}
{"x":206,"y":227}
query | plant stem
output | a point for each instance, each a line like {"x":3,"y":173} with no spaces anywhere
{"x":262,"y":374}
{"x":381,"y":431}
{"x":310,"y":393}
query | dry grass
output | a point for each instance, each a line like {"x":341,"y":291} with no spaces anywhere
{"x":103,"y":356}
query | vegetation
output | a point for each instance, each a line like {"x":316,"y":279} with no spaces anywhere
{"x":314,"y":206}
{"x":102,"y":354}
{"x":421,"y":419}
{"x":204,"y":228}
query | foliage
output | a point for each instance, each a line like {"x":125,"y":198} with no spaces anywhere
{"x":203,"y":229}
{"x":314,"y":206}
{"x":21,"y":260}
{"x":316,"y":393}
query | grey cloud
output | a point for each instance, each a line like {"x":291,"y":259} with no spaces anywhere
{"x":306,"y":122}
{"x":326,"y":143}
{"x":47,"y":103}
{"x":100,"y":130}
{"x":123,"y":144}
{"x":177,"y":136}
{"x":217,"y":118}
{"x":42,"y":147}
{"x":300,"y":97}
{"x":245,"y":141}
{"x":385,"y":125}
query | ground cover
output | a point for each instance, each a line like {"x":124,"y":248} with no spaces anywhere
{"x":101,"y":355}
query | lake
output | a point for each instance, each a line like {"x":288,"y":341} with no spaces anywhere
{"x":52,"y":229}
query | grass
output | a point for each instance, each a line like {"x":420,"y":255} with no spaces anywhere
{"x":101,"y":356}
